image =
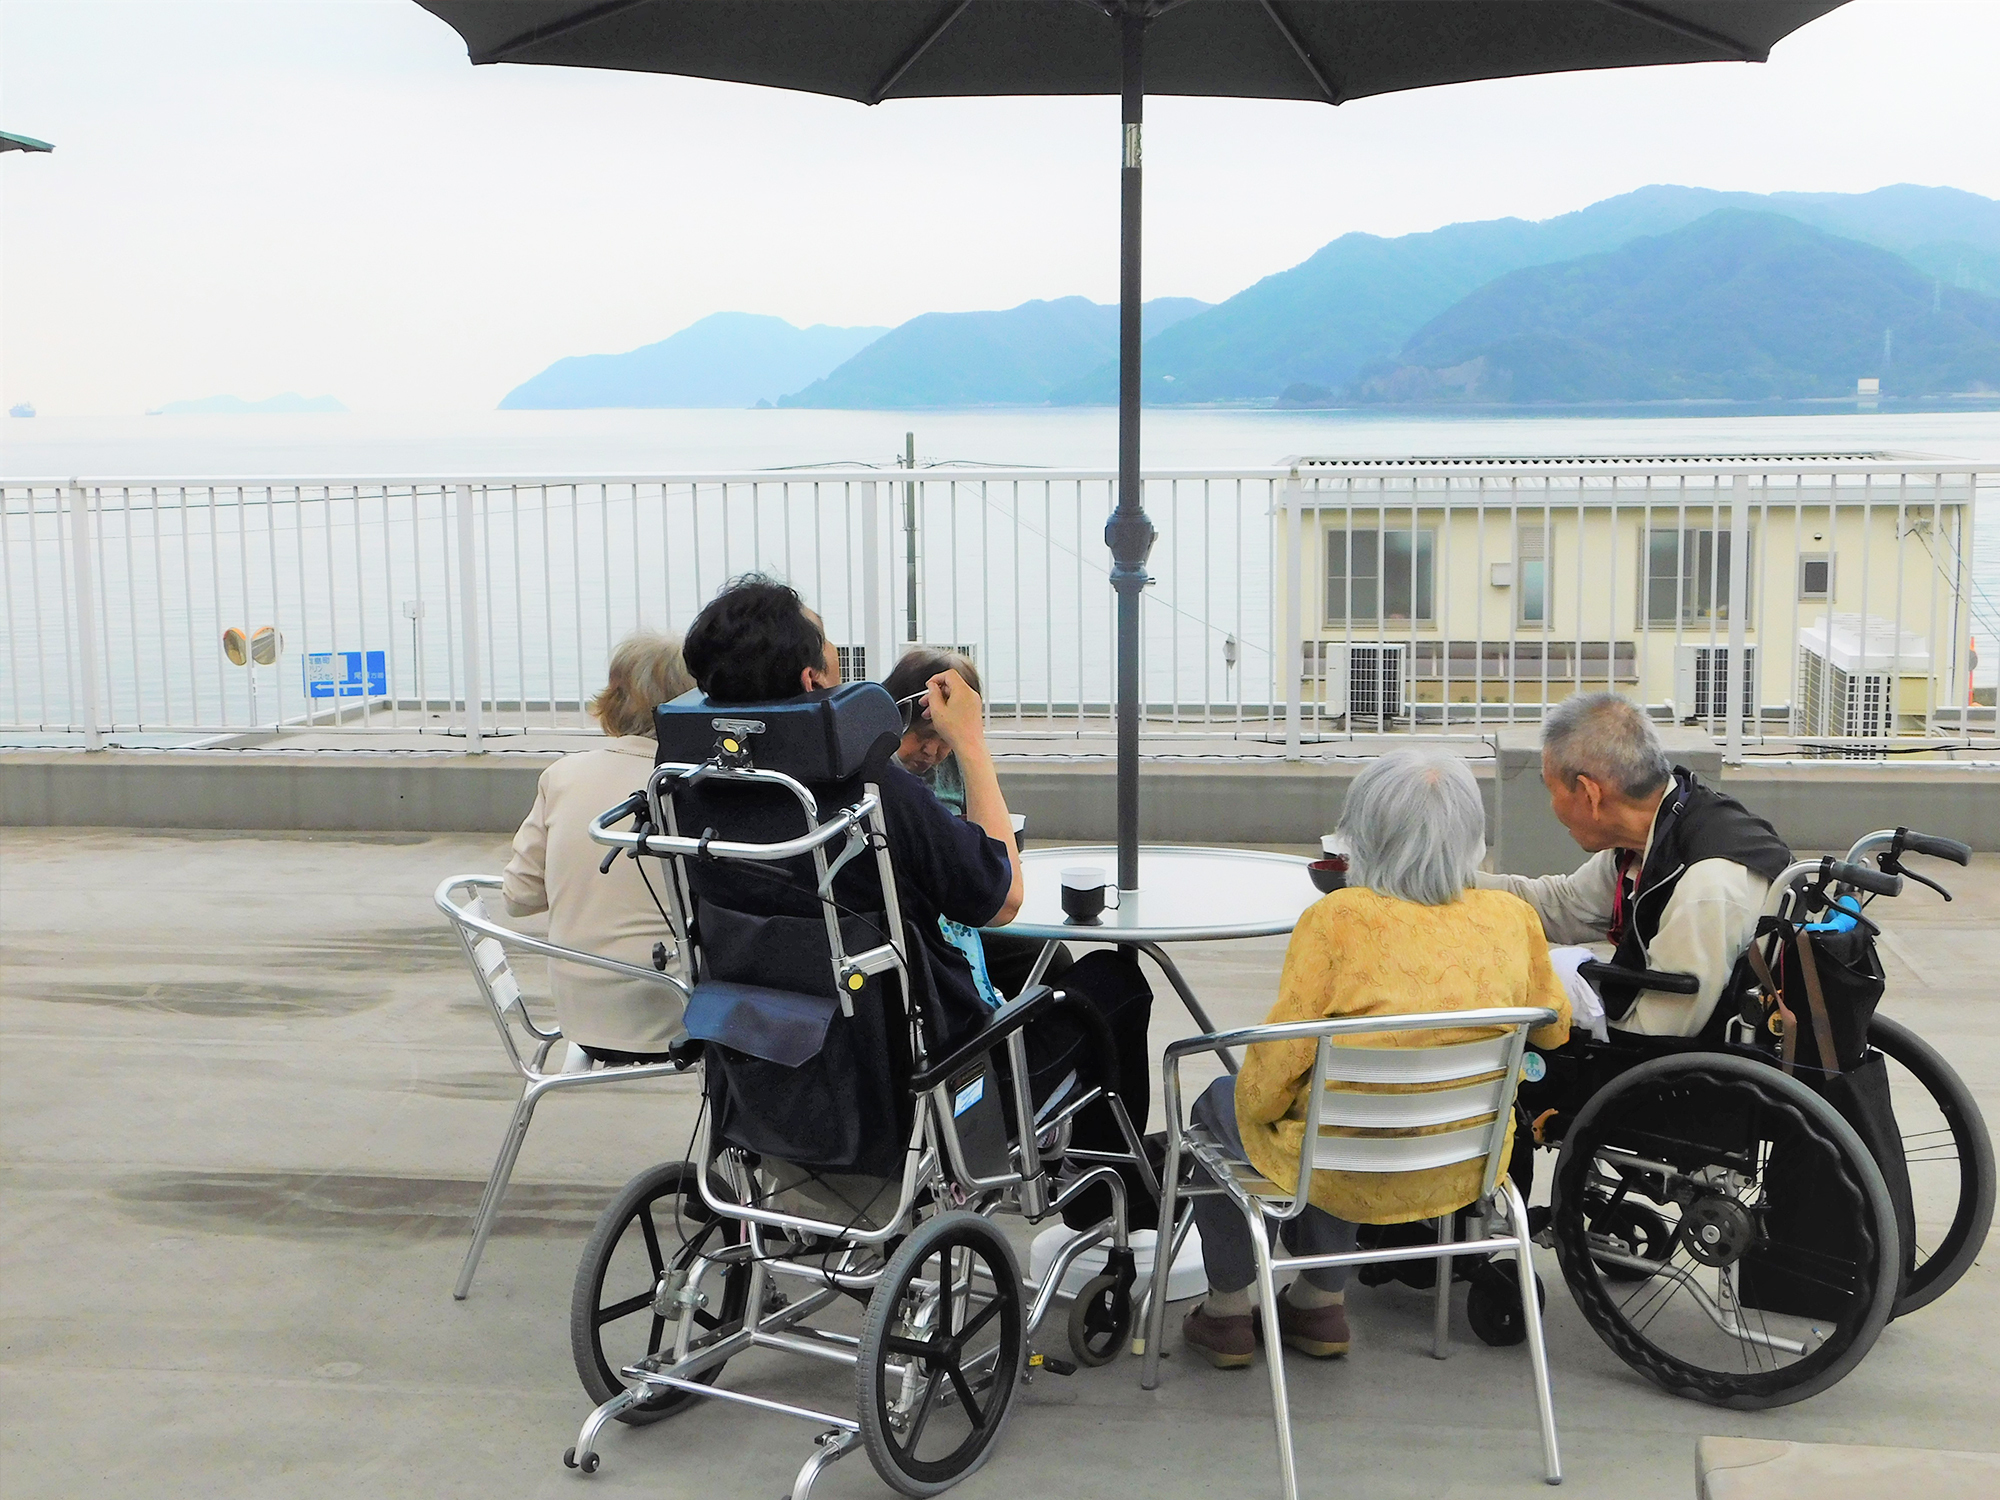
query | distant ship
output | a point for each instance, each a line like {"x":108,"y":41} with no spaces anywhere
{"x":24,"y":409}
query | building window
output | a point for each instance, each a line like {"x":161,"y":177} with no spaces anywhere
{"x":1375,"y":577}
{"x":1531,"y":574}
{"x":1815,"y":575}
{"x":1685,"y":577}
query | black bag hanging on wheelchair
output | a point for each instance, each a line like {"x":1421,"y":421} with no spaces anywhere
{"x":787,"y":1074}
{"x":1815,"y":1001}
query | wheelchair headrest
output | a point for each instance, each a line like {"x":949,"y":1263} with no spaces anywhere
{"x":829,"y":735}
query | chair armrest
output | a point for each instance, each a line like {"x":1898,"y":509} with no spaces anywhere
{"x":1007,"y":1020}
{"x":471,"y":922}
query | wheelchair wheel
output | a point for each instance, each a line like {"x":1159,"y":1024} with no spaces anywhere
{"x":1782,"y":1262}
{"x":1100,"y":1320}
{"x":657,"y":1226}
{"x":940,"y":1354}
{"x":1638,"y":1231}
{"x":1949,"y":1156}
{"x":1493,"y":1303}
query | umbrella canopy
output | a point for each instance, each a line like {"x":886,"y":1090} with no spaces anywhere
{"x":1325,"y":50}
{"x":12,"y":142}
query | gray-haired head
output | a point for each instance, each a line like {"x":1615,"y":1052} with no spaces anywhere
{"x":1608,"y":738}
{"x":1414,"y":827}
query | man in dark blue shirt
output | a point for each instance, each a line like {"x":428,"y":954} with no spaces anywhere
{"x":756,"y":642}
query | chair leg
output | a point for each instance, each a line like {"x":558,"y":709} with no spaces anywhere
{"x":496,"y":1188}
{"x":1441,"y":1314}
{"x":1155,"y":1328}
{"x":1274,"y":1352}
{"x":1531,"y":1312}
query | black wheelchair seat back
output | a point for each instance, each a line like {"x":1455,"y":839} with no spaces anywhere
{"x":807,"y":1061}
{"x":828,"y":736}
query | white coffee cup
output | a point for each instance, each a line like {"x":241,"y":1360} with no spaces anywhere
{"x":1084,"y":890}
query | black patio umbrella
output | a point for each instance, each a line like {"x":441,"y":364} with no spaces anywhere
{"x":1330,"y":51}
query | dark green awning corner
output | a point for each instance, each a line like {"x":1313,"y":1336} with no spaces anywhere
{"x":11,"y":142}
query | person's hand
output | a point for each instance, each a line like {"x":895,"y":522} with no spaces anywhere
{"x":953,"y":709}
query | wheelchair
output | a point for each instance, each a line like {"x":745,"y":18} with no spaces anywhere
{"x":840,"y":1197}
{"x":1739,"y":1231}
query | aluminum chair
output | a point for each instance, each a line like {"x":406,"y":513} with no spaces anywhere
{"x":1466,"y":1099}
{"x":528,"y":1043}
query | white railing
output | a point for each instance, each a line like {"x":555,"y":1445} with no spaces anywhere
{"x":1324,"y":601}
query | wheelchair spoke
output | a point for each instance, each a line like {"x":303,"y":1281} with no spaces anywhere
{"x":654,"y":1334}
{"x":926,"y":1404}
{"x":966,"y":1398}
{"x":624,"y":1309}
{"x":652,"y":1241}
{"x":979,"y":1320}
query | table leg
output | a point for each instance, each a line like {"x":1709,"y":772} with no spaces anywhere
{"x":1042,"y":961}
{"x":1194,"y":1007}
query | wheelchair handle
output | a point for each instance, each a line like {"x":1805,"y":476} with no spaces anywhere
{"x":1880,"y":882}
{"x":1934,"y":845}
{"x":1647,"y":979}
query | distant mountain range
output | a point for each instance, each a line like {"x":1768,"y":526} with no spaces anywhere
{"x":1794,"y":292}
{"x":286,"y":405}
{"x":1737,"y":306}
{"x":727,"y":359}
{"x":1356,"y":301}
{"x":1016,"y":357}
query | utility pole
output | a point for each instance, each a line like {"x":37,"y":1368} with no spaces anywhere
{"x":910,"y":536}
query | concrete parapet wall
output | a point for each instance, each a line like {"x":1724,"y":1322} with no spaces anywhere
{"x":1266,"y":803}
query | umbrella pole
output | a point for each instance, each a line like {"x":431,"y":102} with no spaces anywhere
{"x":1129,"y":534}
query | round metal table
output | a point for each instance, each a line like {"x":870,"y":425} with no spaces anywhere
{"x":1185,"y":895}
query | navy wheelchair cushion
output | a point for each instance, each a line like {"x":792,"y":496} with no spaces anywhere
{"x":779,"y":1026}
{"x":829,"y":735}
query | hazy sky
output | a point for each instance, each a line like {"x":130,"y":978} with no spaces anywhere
{"x":272,"y":195}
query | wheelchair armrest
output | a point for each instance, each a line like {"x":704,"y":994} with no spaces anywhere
{"x":1645,"y":979}
{"x":1007,"y":1020}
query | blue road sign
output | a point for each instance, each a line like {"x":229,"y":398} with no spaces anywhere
{"x":347,"y":674}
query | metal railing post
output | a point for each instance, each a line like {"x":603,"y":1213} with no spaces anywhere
{"x":1739,"y":618}
{"x":83,"y":552}
{"x":873,"y":643}
{"x":468,"y":606}
{"x":1293,"y":645}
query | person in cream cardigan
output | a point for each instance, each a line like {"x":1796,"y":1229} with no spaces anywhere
{"x":1408,"y":934}
{"x":554,"y":868}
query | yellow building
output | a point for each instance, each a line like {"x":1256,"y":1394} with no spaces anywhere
{"x":1498,"y":587}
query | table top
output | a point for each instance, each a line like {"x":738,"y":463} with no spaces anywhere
{"x":1185,"y":895}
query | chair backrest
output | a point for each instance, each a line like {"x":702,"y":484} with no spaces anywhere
{"x":1416,"y":1107}
{"x":487,"y":948}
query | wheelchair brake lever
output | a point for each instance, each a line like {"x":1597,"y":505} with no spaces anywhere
{"x":1923,"y":880}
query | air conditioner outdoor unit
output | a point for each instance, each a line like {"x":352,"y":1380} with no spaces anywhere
{"x":1847,"y":676}
{"x":1364,"y":680}
{"x":1701,"y":682}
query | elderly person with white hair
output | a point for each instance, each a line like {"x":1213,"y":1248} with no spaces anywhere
{"x":1677,"y":873}
{"x":1407,"y":935}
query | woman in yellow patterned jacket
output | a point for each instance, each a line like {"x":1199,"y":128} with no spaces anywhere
{"x":1406,"y":935}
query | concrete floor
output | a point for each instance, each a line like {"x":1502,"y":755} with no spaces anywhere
{"x":250,"y":1098}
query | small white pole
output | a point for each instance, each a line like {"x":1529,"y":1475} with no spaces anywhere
{"x":468,"y":605}
{"x":1294,"y":503}
{"x":1739,"y":619}
{"x":84,"y":557}
{"x":873,"y":643}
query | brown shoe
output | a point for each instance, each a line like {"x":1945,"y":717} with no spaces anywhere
{"x":1226,"y":1343}
{"x":1321,"y":1332}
